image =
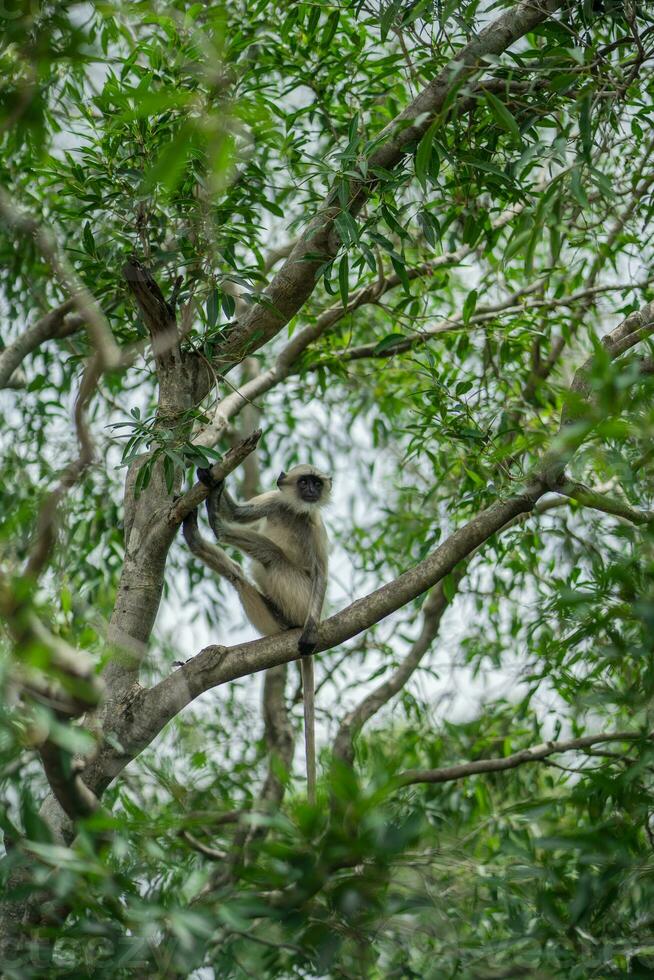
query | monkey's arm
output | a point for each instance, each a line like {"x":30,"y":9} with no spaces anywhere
{"x":309,"y":638}
{"x":256,"y":509}
{"x":221,"y":503}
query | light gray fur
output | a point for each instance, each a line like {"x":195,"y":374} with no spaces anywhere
{"x":288,"y":545}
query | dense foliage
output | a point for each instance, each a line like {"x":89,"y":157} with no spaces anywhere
{"x":454,"y":356}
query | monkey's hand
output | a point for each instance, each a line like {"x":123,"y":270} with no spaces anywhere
{"x":309,"y":639}
{"x":204,"y":476}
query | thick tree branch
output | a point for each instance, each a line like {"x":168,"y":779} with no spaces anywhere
{"x":535,"y":754}
{"x":280,"y":742}
{"x":149,"y":533}
{"x":295,"y":281}
{"x":141,"y":720}
{"x":161,"y":321}
{"x":288,"y":358}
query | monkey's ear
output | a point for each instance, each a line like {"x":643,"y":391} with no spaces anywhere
{"x":280,"y":479}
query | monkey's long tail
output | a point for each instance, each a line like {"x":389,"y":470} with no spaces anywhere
{"x":308,"y":692}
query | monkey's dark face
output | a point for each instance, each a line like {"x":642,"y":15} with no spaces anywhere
{"x":310,"y":488}
{"x":305,"y":487}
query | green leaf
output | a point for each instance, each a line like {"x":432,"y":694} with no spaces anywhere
{"x":449,"y":587}
{"x":213,"y":307}
{"x":167,"y":171}
{"x":400,"y":268}
{"x":388,"y":342}
{"x":329,"y":30}
{"x":389,"y":12}
{"x":577,"y":189}
{"x":469,"y":305}
{"x":347,"y":228}
{"x":228,"y":304}
{"x":585,"y":127}
{"x":169,"y":472}
{"x":88,"y":239}
{"x":343,"y":279}
{"x":503,"y":116}
{"x":424,"y":153}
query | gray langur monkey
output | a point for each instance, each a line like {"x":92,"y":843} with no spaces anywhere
{"x":289,"y":551}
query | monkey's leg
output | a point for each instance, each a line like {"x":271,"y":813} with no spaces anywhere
{"x":212,"y":556}
{"x":308,"y":641}
{"x":256,"y":545}
{"x":260,"y":610}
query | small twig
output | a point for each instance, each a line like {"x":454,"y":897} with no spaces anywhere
{"x":536,"y":754}
{"x":354,"y":720}
{"x":211,"y":852}
{"x":601,"y":501}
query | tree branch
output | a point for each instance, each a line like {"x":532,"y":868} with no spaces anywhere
{"x":588,"y":497}
{"x":535,"y":754}
{"x":45,"y":525}
{"x":55,"y":325}
{"x":62,"y":773}
{"x":604,"y":252}
{"x":482,"y":314}
{"x":295,"y":281}
{"x":87,"y":306}
{"x":161,"y":321}
{"x":219,"y":471}
{"x":279,"y":735}
{"x":136,"y":724}
{"x":70,"y":686}
{"x":576,"y":422}
{"x":433,"y":611}
{"x":287,"y":360}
